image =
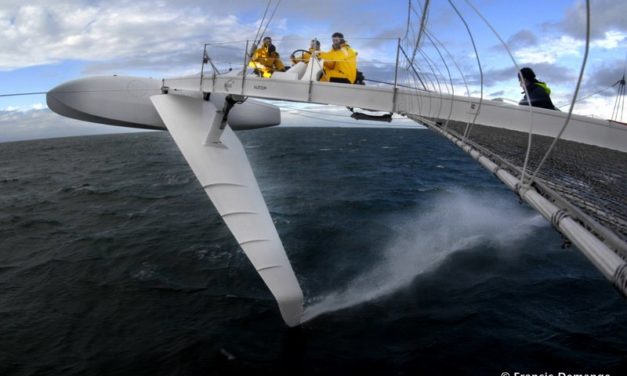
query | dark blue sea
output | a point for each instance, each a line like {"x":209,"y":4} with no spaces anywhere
{"x":413,"y":260}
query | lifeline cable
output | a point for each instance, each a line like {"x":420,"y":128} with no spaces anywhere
{"x":509,"y":52}
{"x":474,"y":46}
{"x":458,"y":69}
{"x":437,"y":80}
{"x":450,"y":113}
{"x":572,"y":105}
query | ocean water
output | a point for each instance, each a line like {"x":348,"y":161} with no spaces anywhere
{"x":413,"y":260}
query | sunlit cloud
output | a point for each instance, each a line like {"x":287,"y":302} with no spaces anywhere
{"x":550,"y":50}
{"x":612,"y":40}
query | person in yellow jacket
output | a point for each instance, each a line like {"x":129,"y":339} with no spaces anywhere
{"x":265,"y":60}
{"x":306,"y":55}
{"x":340,"y":63}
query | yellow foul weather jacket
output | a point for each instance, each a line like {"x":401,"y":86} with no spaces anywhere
{"x":340,"y":64}
{"x":265,"y":62}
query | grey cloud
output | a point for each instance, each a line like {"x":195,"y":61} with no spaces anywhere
{"x":185,"y":60}
{"x":606,"y":15}
{"x":549,"y":73}
{"x":100,"y":35}
{"x":523,"y":38}
{"x":337,"y":15}
{"x":114,"y":33}
{"x":602,"y":77}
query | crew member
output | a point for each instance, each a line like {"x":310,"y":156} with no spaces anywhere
{"x":538,"y":91}
{"x":306,"y":55}
{"x":340,"y":63}
{"x":265,"y":60}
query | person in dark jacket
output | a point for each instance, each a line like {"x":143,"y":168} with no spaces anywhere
{"x":538,"y":91}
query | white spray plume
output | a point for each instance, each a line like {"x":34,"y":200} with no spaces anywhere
{"x":454,"y":222}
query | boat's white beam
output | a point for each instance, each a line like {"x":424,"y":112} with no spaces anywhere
{"x":598,"y":132}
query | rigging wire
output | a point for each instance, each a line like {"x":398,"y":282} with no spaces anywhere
{"x":509,"y":52}
{"x":619,"y":103}
{"x":474,"y":46}
{"x":257,"y":36}
{"x":408,"y":19}
{"x":414,"y":70}
{"x":20,"y":94}
{"x":589,"y":95}
{"x":448,"y":71}
{"x":80,"y":91}
{"x":622,"y":110}
{"x":270,"y":19}
{"x":622,"y":96}
{"x":457,"y":66}
{"x":417,"y":76}
{"x":388,"y":83}
{"x":572,"y":105}
{"x":423,"y":22}
{"x":437,"y":80}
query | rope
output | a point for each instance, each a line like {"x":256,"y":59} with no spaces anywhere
{"x":572,"y":105}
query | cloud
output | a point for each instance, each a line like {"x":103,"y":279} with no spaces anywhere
{"x":606,"y":16}
{"x":596,"y":106}
{"x":523,"y":38}
{"x":602,"y":77}
{"x":27,"y":124}
{"x":160,"y":35}
{"x":552,"y":74}
{"x":146,"y":34}
{"x":550,"y":50}
{"x":611,"y":40}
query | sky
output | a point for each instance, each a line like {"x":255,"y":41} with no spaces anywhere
{"x":45,"y":43}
